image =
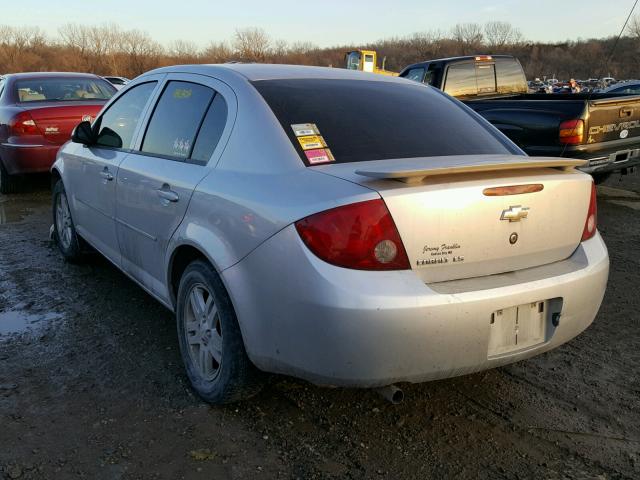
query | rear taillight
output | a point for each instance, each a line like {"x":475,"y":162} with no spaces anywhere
{"x":23,"y":124}
{"x":571,"y":132}
{"x":591,"y":224}
{"x":361,"y":236}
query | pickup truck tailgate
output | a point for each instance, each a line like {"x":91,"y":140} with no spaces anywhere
{"x":613,"y":119}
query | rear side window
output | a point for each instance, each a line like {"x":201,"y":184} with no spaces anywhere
{"x":63,"y":89}
{"x":210,"y":131}
{"x":510,"y":76}
{"x":118,"y":124}
{"x":363,"y":120}
{"x":415,"y":74}
{"x":176,"y":119}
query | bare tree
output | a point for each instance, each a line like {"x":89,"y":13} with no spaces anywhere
{"x":468,"y":37}
{"x":251,"y":44}
{"x":501,"y":34}
{"x":185,"y":51}
{"x":633,"y":28}
{"x":217,"y":53}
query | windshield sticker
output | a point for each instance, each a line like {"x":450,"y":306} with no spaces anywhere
{"x":320,"y":155}
{"x":311,"y":142}
{"x":304,"y":129}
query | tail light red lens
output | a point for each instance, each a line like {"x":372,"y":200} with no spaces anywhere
{"x":591,"y":224}
{"x":571,"y":132}
{"x":23,"y":124}
{"x":361,"y":236}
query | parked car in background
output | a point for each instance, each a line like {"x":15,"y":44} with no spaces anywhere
{"x":632,"y":87}
{"x":342,"y":227}
{"x":117,"y":82}
{"x":600,"y":128}
{"x":38,"y":111}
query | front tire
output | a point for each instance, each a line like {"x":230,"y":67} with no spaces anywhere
{"x":210,"y":340}
{"x":64,"y":230}
{"x":8,"y":183}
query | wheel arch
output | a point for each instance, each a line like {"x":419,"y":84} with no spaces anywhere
{"x":181,"y":256}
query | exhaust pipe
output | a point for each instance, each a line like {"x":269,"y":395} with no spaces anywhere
{"x":392,"y":394}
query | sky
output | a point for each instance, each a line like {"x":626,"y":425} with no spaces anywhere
{"x":325,"y":22}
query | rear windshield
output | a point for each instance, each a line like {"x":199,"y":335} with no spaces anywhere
{"x":63,"y":89}
{"x":362,"y":120}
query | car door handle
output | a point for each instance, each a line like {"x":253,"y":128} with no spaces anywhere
{"x":106,"y":174}
{"x":166,"y":194}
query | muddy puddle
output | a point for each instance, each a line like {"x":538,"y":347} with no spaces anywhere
{"x":15,"y":209}
{"x":18,"y":321}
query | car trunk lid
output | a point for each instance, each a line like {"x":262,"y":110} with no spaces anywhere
{"x":457,"y":221}
{"x":56,"y":120}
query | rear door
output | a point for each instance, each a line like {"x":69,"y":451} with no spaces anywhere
{"x":155,"y":183}
{"x":91,"y":171}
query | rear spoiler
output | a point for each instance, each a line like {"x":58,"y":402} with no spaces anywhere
{"x":414,"y":170}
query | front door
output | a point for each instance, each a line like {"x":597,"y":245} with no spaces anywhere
{"x":94,"y":169}
{"x":156,"y":182}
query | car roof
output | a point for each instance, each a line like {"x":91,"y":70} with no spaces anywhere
{"x":622,"y":85}
{"x":27,"y":75}
{"x":261,"y":71}
{"x":453,"y":59}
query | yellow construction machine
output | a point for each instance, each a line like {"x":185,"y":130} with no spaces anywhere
{"x":366,"y":61}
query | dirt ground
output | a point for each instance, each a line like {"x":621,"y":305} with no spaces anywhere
{"x":92,"y":386}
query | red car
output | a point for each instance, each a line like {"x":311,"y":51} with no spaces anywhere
{"x":38,"y":111}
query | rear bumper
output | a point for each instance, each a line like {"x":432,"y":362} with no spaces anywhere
{"x":27,"y":158}
{"x":612,"y":156}
{"x":335,"y":326}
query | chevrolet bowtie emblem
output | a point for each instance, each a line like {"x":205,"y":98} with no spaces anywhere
{"x":515,"y":213}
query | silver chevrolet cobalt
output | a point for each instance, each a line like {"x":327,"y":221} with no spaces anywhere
{"x":345,"y":228}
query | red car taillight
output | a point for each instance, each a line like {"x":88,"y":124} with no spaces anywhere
{"x":591,"y":224}
{"x":361,"y":236}
{"x":571,"y":132}
{"x":23,"y":124}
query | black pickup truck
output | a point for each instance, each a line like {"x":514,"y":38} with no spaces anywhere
{"x":601,"y":128}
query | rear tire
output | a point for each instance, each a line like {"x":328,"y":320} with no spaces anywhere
{"x":8,"y":183}
{"x":210,"y":339}
{"x":64,"y":230}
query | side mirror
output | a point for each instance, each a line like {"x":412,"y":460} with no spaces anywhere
{"x":83,"y":133}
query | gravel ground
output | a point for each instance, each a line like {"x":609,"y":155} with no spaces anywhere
{"x":91,"y":386}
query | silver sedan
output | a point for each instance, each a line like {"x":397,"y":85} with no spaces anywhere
{"x":345,"y":228}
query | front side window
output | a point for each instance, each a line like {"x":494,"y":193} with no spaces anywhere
{"x":63,"y":89}
{"x":117,"y":125}
{"x":176,"y":119}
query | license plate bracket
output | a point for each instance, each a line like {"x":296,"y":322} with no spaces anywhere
{"x":522,"y":327}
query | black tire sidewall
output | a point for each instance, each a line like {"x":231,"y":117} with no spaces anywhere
{"x":234,"y":377}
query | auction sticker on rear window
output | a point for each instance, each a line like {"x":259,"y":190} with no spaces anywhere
{"x":319,"y":155}
{"x":304,"y":129}
{"x":311,"y":142}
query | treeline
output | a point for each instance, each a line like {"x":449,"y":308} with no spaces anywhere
{"x":109,"y":49}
